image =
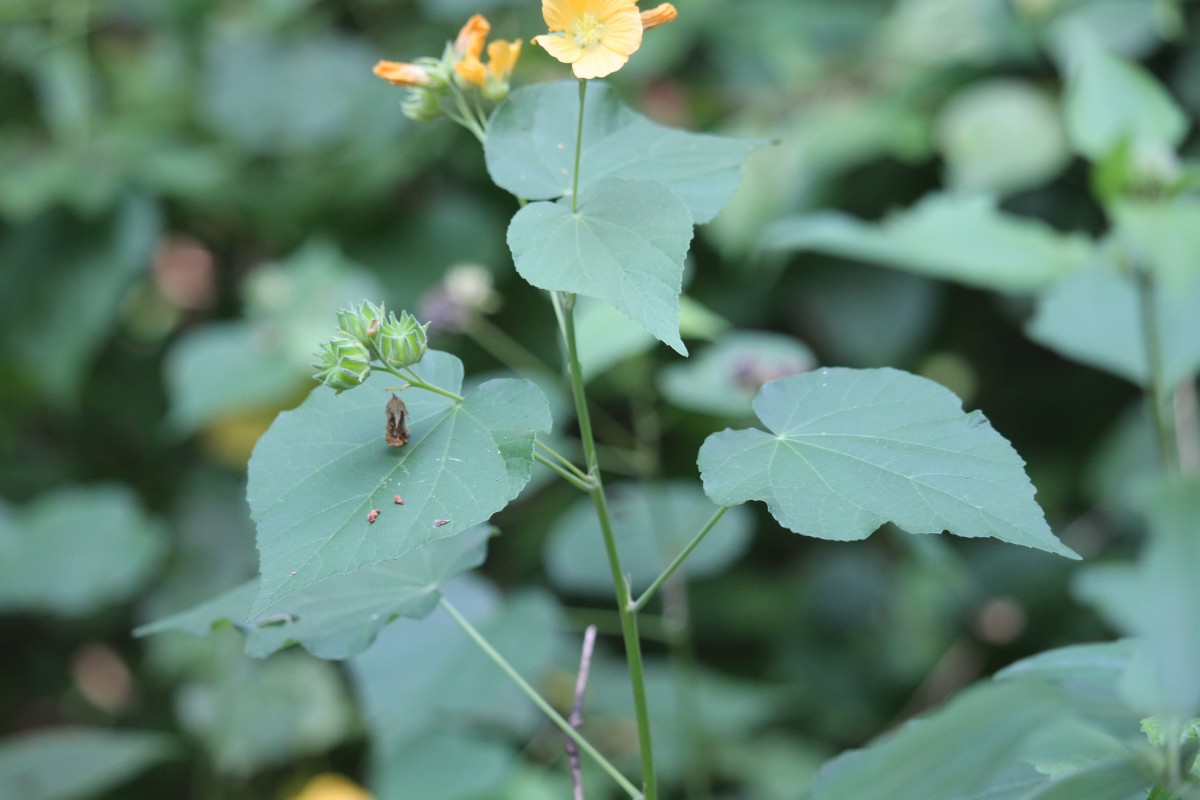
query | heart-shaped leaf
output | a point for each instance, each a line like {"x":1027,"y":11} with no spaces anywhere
{"x":624,"y":244}
{"x":339,"y":616}
{"x":320,"y":471}
{"x":852,"y":449}
{"x":530,"y":148}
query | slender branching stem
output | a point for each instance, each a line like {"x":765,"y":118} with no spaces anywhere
{"x":541,"y":702}
{"x":415,"y":380}
{"x":582,"y":484}
{"x":1161,"y":395}
{"x":641,"y":602}
{"x":561,"y":459}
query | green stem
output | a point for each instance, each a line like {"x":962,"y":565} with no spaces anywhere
{"x":1161,"y":397}
{"x":561,"y":459}
{"x":466,"y":116}
{"x":629,"y":627}
{"x":580,"y":484}
{"x":675,"y":564}
{"x":578,"y":146}
{"x":538,"y":700}
{"x":415,"y":380}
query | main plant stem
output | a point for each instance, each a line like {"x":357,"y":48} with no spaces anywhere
{"x":629,"y":626}
{"x":1161,"y":396}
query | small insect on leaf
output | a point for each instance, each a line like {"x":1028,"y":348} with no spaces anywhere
{"x":437,"y":523}
{"x":374,"y":515}
{"x":397,"y":417}
{"x":373,"y":328}
{"x":398,"y":500}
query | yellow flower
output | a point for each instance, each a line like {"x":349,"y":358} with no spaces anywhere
{"x":468,"y":47}
{"x":659,"y":15}
{"x":596,"y":37}
{"x":330,"y":786}
{"x":401,"y":74}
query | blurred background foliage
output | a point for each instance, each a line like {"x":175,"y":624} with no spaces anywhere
{"x":190,"y":189}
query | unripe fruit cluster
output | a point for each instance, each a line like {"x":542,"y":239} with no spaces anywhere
{"x":368,"y":333}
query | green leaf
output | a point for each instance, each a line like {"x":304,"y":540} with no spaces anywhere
{"x":530,"y":149}
{"x":956,"y":237}
{"x":1110,"y":101}
{"x":253,"y":714}
{"x":606,"y":337}
{"x":319,"y":470}
{"x":724,"y":378}
{"x":443,"y":766}
{"x":624,"y":244}
{"x":852,"y":449}
{"x":1002,"y":136}
{"x":946,"y":755}
{"x":1094,"y":317}
{"x":71,"y":763}
{"x":1162,"y":236}
{"x":1155,"y":601}
{"x":224,"y":368}
{"x":653,"y":523}
{"x":1088,"y":673}
{"x":421,"y":674}
{"x":339,"y":616}
{"x":1104,"y":780}
{"x":75,"y":550}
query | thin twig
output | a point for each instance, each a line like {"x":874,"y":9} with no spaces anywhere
{"x":576,"y":718}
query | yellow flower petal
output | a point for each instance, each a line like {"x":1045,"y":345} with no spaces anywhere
{"x":598,"y":61}
{"x":471,"y":70}
{"x":659,"y":15}
{"x":472,"y":36}
{"x":603,"y":9}
{"x":558,"y":14}
{"x":564,"y":48}
{"x":400,"y":74}
{"x":502,"y":58}
{"x":623,"y":31}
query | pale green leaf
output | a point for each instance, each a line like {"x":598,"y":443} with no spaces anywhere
{"x":75,"y":763}
{"x":962,"y":238}
{"x":318,"y":472}
{"x":75,"y":550}
{"x":624,"y":244}
{"x":1088,"y":673}
{"x":852,"y":449}
{"x":606,"y":337}
{"x":947,"y":755}
{"x":1117,"y":779}
{"x":1002,"y":136}
{"x":1163,"y":237}
{"x":253,"y":714}
{"x":340,"y":616}
{"x":426,"y":673}
{"x":530,"y":149}
{"x":1110,"y":101}
{"x":1094,"y":316}
{"x":449,"y":765}
{"x":653,"y":523}
{"x":724,"y":378}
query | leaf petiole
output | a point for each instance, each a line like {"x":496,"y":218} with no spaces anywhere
{"x":640,"y":603}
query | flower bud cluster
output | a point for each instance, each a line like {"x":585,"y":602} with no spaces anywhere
{"x":367,"y":333}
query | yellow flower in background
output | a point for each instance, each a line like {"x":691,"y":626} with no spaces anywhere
{"x":331,"y":786}
{"x":399,"y":73}
{"x":659,"y":15}
{"x":502,"y":58}
{"x":469,"y":44}
{"x":596,"y":37}
{"x":468,"y":47}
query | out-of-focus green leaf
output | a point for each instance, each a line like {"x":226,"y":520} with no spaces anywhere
{"x":443,"y":766}
{"x":624,"y":244}
{"x":421,"y":674}
{"x":75,"y":763}
{"x":1163,"y":236}
{"x":1001,"y":136}
{"x":852,"y":449}
{"x":340,"y":616}
{"x":1104,"y":780}
{"x":946,"y":755}
{"x":955,"y":237}
{"x":530,"y":149}
{"x":653,"y":523}
{"x":606,"y":337}
{"x":61,"y":289}
{"x":1155,"y":601}
{"x":724,"y":378}
{"x":1094,"y":316}
{"x":1110,"y":100}
{"x":1089,"y":673}
{"x":319,"y":470}
{"x":75,"y":550}
{"x":254,"y":714}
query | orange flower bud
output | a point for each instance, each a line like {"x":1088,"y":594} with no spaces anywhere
{"x":469,"y":44}
{"x":659,"y":15}
{"x":502,"y":57}
{"x":400,"y":74}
